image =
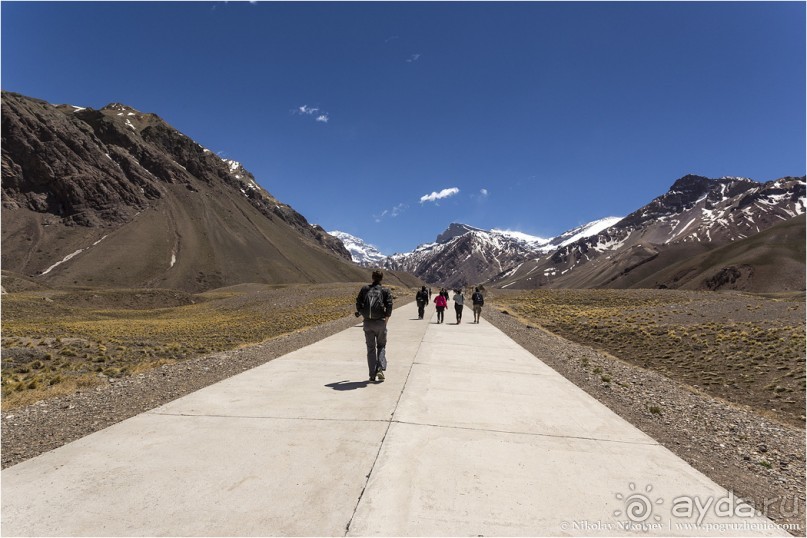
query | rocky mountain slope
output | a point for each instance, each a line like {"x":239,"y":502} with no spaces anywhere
{"x":116,"y":197}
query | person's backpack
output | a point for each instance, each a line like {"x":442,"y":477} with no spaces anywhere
{"x":422,"y":297}
{"x":478,"y":299}
{"x":373,"y":307}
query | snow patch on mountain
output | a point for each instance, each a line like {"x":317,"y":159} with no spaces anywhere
{"x":532,"y":240}
{"x":362,"y":252}
{"x":586,"y":230}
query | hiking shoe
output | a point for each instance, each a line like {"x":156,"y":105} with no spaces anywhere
{"x":380,"y":375}
{"x":372,"y":378}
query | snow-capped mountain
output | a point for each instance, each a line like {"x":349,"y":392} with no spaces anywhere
{"x":668,"y":242}
{"x":465,"y":255}
{"x":362,"y":252}
{"x":529,"y":242}
{"x":726,"y":209}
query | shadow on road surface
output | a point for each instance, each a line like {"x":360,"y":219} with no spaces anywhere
{"x":348,"y":385}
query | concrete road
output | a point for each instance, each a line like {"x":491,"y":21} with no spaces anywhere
{"x":469,"y":435}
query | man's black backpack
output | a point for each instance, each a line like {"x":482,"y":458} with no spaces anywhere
{"x":422,"y":297}
{"x":477,"y":298}
{"x":373,"y":307}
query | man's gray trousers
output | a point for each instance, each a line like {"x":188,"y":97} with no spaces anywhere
{"x":375,"y":334}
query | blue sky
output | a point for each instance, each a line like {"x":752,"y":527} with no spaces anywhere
{"x":391,"y":120}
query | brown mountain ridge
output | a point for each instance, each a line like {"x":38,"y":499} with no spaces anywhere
{"x":118,"y":198}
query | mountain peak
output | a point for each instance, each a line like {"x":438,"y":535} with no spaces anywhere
{"x":694,"y":186}
{"x":120,"y":107}
{"x":691,"y":183}
{"x":456,"y":229}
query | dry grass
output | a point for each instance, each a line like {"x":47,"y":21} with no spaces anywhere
{"x":747,"y":349}
{"x":56,"y":343}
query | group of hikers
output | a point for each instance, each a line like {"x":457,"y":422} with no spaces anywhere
{"x":374,"y":305}
{"x":423,"y":297}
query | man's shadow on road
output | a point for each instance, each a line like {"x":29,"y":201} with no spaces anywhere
{"x":348,"y":385}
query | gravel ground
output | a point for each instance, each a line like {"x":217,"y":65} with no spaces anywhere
{"x":758,"y":458}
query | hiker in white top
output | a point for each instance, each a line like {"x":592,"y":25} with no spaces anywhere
{"x":459,"y":301}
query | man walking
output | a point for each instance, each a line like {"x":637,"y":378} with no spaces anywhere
{"x":421,"y":298}
{"x":478,"y":302}
{"x":374,"y":304}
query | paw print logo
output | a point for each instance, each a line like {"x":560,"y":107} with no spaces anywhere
{"x":638,"y":506}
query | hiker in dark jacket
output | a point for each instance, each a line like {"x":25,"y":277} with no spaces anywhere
{"x":374,"y":304}
{"x":422,"y":298}
{"x":478,"y":301}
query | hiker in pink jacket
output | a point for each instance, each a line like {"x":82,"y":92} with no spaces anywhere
{"x":440,"y":303}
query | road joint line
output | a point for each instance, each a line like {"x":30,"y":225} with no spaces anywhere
{"x":265,"y":417}
{"x":383,"y":439}
{"x":533,"y":434}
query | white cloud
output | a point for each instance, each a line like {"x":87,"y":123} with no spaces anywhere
{"x":392,"y":213}
{"x":413,"y":58}
{"x":480,"y":196}
{"x":398,"y":209}
{"x":307,"y":110}
{"x":445,"y":193}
